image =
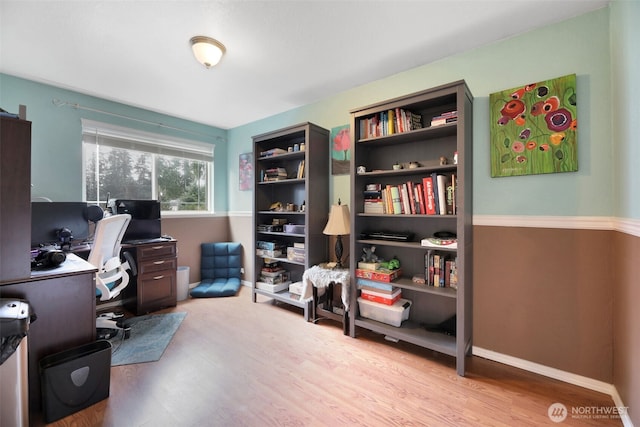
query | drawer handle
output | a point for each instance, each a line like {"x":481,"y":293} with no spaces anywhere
{"x":155,"y":248}
{"x":158,"y":277}
{"x":158,"y":262}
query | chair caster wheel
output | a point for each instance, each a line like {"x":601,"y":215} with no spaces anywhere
{"x":126,"y":332}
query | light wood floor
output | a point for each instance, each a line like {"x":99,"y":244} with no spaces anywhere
{"x":236,"y":363}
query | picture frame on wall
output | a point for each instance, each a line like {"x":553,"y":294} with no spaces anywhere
{"x":245,"y":171}
{"x":534,"y":128}
{"x":340,"y":139}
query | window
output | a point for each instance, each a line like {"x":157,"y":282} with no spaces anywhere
{"x":121,"y":163}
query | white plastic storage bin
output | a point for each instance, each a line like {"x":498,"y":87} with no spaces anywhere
{"x":390,"y":314}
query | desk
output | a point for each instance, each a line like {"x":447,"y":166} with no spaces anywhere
{"x":320,"y":276}
{"x":64,"y":301}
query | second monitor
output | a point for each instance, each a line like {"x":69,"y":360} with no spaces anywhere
{"x":145,"y":218}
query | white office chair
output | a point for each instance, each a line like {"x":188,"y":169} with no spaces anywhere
{"x":112,"y":276}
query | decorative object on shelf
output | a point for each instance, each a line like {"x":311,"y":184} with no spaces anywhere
{"x":245,"y":171}
{"x":392,"y":264}
{"x":340,"y":149}
{"x":362,"y":169}
{"x":338,"y":225}
{"x":443,"y":161}
{"x":414,"y":165}
{"x":534,"y":128}
{"x":396,"y":166}
{"x":207,"y":51}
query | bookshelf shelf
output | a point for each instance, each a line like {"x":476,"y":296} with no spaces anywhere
{"x":301,"y":182}
{"x":379,"y":146}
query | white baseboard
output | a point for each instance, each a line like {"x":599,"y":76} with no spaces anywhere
{"x":557,"y":374}
{"x":623,"y":225}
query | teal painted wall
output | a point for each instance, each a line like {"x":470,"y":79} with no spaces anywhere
{"x":579,"y":45}
{"x":625,"y":69}
{"x":56,"y":141}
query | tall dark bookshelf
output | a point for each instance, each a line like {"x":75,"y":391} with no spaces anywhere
{"x":286,"y":149}
{"x":426,"y":145}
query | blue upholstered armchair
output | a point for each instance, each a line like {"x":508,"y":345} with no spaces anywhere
{"x":220,"y":268}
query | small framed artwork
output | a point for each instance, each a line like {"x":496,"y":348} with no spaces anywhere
{"x":245,"y":171}
{"x":534,"y":128}
{"x":340,"y":150}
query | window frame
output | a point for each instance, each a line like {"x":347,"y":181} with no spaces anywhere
{"x":154,"y":144}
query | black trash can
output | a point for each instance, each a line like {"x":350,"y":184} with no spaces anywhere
{"x":75,"y":379}
{"x":15,"y":317}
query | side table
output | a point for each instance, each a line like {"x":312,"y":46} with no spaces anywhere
{"x":321,"y":276}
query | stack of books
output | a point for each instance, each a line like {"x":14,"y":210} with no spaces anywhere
{"x":273,"y":277}
{"x":373,"y":202}
{"x":275,"y":174}
{"x":445,"y":118}
{"x":272,"y":152}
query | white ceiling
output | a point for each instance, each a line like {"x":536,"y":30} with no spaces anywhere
{"x":280,"y":54}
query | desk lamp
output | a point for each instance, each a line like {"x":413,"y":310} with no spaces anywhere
{"x":338,"y":225}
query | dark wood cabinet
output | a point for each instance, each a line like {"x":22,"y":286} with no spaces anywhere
{"x":401,"y":154}
{"x":154,"y":287}
{"x":15,"y":199}
{"x":63,"y":299}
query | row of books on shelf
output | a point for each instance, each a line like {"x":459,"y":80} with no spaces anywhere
{"x":279,"y":173}
{"x":444,"y":118}
{"x":441,"y":269}
{"x":390,"y":122}
{"x":434,"y":195}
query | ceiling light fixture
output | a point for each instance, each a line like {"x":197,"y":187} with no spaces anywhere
{"x":207,"y":51}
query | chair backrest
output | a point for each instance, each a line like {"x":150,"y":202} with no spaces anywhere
{"x":107,"y":239}
{"x":220,"y":260}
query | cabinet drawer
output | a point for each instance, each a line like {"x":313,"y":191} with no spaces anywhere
{"x":157,"y":250}
{"x":156,"y":291}
{"x":157,"y":265}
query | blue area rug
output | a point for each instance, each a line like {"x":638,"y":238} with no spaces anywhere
{"x":150,"y":335}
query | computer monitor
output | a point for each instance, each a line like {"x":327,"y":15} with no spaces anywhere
{"x":145,"y":218}
{"x":48,"y":218}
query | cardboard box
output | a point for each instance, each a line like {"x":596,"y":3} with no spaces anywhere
{"x":294,"y":228}
{"x":295,"y":254}
{"x":381,"y":275}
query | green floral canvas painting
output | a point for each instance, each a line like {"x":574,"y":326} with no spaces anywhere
{"x":534,"y":128}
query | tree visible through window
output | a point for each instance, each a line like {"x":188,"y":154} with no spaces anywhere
{"x":178,"y":176}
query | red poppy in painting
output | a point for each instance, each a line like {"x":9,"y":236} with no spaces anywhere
{"x":518,"y":147}
{"x":551,"y":104}
{"x":517,"y":94}
{"x":513,"y":108}
{"x":558,"y":120}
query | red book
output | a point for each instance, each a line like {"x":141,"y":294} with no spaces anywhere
{"x":412,"y":197}
{"x":429,"y":195}
{"x":420,"y":193}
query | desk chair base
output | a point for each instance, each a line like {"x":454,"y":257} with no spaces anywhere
{"x":109,"y":324}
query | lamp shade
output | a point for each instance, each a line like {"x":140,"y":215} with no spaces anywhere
{"x":339,"y":223}
{"x":207,"y":51}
